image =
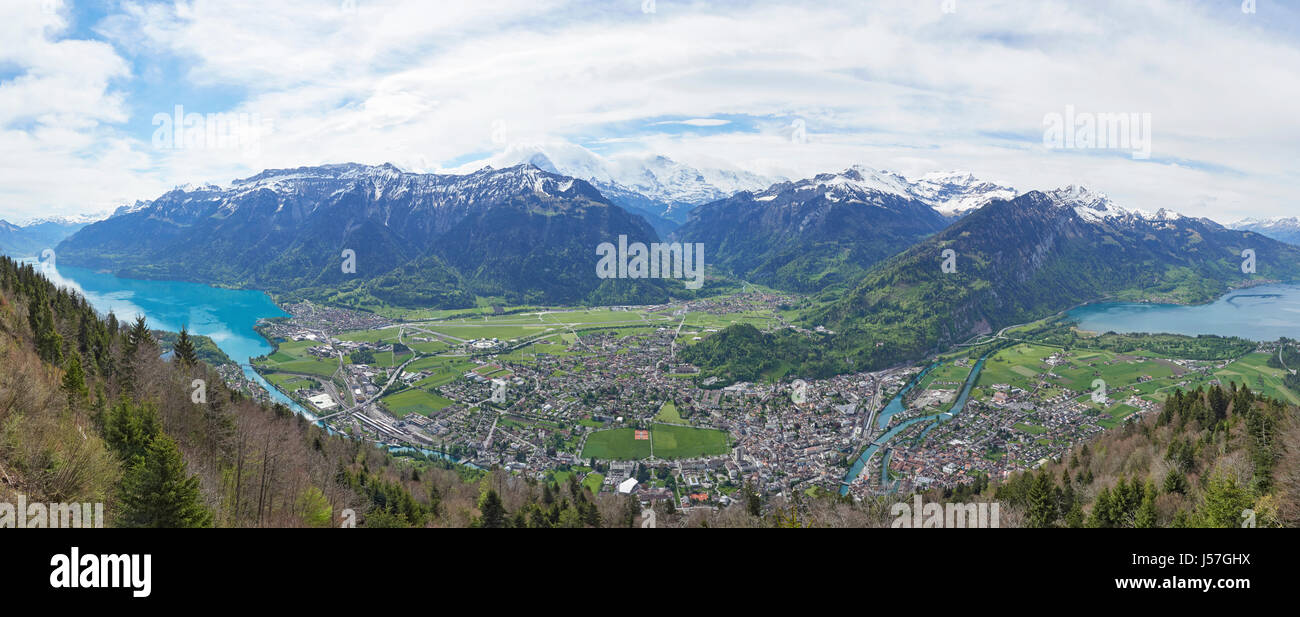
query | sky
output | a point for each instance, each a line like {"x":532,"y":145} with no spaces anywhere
{"x":89,"y":91}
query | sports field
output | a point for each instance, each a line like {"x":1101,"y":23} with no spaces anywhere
{"x":669,"y":442}
{"x":414,"y":400}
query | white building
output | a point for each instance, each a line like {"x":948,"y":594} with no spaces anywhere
{"x":323,"y":402}
{"x":627,"y":486}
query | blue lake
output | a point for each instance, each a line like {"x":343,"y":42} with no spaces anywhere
{"x":1263,"y":313}
{"x":227,"y":316}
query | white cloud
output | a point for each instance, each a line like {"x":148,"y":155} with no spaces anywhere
{"x":898,"y":85}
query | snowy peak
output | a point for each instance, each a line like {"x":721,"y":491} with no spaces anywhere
{"x":655,"y":177}
{"x":1096,"y":207}
{"x":855,"y":184}
{"x":309,"y":187}
{"x":283,"y":178}
{"x":956,"y":193}
{"x":1282,"y":229}
{"x":1290,"y":223}
{"x":70,"y":219}
{"x":951,"y":193}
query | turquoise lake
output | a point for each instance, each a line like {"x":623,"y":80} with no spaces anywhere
{"x":1263,"y":313}
{"x":227,"y":316}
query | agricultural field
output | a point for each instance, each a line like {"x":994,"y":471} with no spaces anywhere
{"x":1018,"y":366}
{"x":1118,"y":371}
{"x":593,"y":481}
{"x":1253,"y":370}
{"x":947,"y":376}
{"x":292,"y":357}
{"x":443,"y":370}
{"x":429,"y":348}
{"x":505,"y":332}
{"x":291,"y":383}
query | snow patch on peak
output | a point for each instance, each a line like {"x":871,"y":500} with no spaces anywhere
{"x":1094,"y":206}
{"x":68,"y":219}
{"x":654,"y":176}
{"x":956,"y":193}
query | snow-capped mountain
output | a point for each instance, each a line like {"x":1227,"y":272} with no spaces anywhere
{"x":952,"y":193}
{"x":655,"y":186}
{"x":418,"y":239}
{"x":68,"y":219}
{"x":1280,"y":229}
{"x":813,"y":233}
{"x":38,"y":234}
{"x":1093,"y":206}
{"x":855,"y":184}
{"x":955,"y":193}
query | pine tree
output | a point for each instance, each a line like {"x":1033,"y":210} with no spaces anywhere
{"x":1042,"y":501}
{"x":74,"y":381}
{"x":631,"y":510}
{"x":1074,"y":517}
{"x":1223,"y":502}
{"x":1146,"y":514}
{"x":753,"y":503}
{"x":1175,"y":481}
{"x":159,"y":492}
{"x":131,"y":428}
{"x":49,"y":344}
{"x":184,"y":349}
{"x":494,"y":512}
{"x":1101,"y":510}
{"x":139,"y":336}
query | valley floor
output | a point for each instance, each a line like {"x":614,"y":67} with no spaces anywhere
{"x":599,"y":393}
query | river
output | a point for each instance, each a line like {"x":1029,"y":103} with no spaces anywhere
{"x":895,"y":406}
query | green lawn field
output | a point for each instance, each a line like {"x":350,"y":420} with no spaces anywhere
{"x":414,"y":400}
{"x":686,"y":442}
{"x":616,"y":444}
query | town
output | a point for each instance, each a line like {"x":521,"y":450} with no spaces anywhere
{"x":598,"y":394}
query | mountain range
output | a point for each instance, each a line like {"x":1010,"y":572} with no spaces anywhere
{"x":658,"y":188}
{"x":824,"y":233}
{"x":33,"y":237}
{"x":519,"y":234}
{"x":1011,"y":262}
{"x":815,"y":233}
{"x":1281,"y":229}
{"x":869,"y":247}
{"x":1018,"y":260}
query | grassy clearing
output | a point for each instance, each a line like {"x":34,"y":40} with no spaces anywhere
{"x":668,"y":413}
